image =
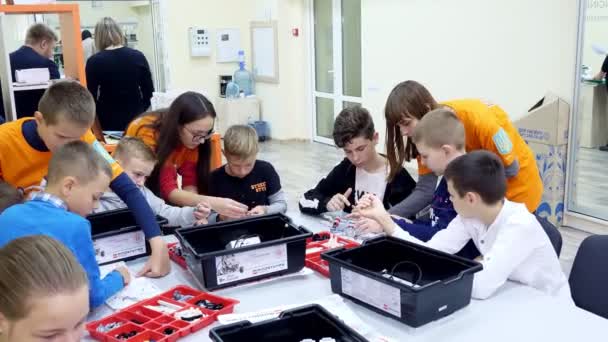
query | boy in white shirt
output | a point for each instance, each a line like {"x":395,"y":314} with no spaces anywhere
{"x":512,"y":243}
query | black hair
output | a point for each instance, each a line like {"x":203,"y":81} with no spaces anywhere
{"x":86,"y":34}
{"x":188,"y":107}
{"x":481,"y":172}
{"x":351,"y":123}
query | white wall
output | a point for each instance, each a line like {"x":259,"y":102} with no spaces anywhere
{"x":201,"y":73}
{"x":284,"y":105}
{"x":509,"y":52}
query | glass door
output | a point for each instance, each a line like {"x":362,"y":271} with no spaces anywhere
{"x":336,"y":61}
{"x":588,"y":161}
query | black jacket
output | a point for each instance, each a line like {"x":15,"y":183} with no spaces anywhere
{"x":121,"y":83}
{"x":341,"y":178}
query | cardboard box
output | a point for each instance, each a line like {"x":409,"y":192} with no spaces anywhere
{"x":545,"y":129}
{"x":546,"y":122}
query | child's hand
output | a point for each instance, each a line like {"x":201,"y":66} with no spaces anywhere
{"x":367,"y":225}
{"x":202,"y":211}
{"x":366,"y":202}
{"x":370,"y":206}
{"x":159,"y":264}
{"x":339,"y":201}
{"x":201,"y":222}
{"x":259,"y":210}
{"x":230,"y":208}
{"x":126,"y":276}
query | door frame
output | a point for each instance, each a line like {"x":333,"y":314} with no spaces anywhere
{"x":337,"y":96}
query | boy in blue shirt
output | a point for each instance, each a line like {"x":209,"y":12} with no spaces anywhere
{"x":77,"y":177}
{"x":66,"y":113}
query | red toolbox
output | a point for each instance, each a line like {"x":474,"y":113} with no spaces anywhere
{"x":320,"y":243}
{"x":139,"y":322}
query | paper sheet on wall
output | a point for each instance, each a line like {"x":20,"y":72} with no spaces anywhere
{"x":263,"y":51}
{"x":139,"y":289}
{"x":334,"y":304}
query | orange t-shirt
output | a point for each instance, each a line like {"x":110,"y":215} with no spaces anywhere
{"x":23,"y":166}
{"x":182,"y":161}
{"x":488,"y":127}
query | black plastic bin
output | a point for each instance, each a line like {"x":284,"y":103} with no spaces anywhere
{"x":281,"y":250}
{"x":295,"y":325}
{"x":117,"y":237}
{"x":442,"y":283}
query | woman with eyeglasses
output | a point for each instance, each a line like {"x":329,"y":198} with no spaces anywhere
{"x":180,"y":137}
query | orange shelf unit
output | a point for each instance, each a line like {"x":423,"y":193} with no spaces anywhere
{"x":69,"y":22}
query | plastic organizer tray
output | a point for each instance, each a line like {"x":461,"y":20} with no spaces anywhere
{"x":315,"y":248}
{"x":115,"y":225}
{"x":175,"y":254}
{"x":144,"y":324}
{"x":307,"y":322}
{"x":215,"y":264}
{"x":414,"y":284}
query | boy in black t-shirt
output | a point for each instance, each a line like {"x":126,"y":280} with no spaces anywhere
{"x":244,"y":179}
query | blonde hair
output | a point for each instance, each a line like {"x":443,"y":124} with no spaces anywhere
{"x":440,"y":127}
{"x":68,"y":100}
{"x":36,"y":266}
{"x":108,"y":33}
{"x":131,"y":147}
{"x":38,"y":33}
{"x":241,"y":141}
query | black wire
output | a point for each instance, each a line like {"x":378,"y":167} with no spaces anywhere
{"x":408,"y":263}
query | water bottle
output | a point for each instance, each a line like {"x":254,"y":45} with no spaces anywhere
{"x":242,"y":77}
{"x":232,"y":90}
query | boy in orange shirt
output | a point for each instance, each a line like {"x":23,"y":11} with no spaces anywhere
{"x":66,"y":113}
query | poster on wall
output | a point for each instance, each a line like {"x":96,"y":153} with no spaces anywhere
{"x":228,"y":45}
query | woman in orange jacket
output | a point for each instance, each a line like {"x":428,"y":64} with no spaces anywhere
{"x":487,"y":127}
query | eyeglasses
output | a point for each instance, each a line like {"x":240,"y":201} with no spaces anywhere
{"x":199,"y":138}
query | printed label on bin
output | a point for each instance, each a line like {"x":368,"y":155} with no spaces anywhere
{"x":384,"y":297}
{"x":234,"y":267}
{"x":120,"y":246}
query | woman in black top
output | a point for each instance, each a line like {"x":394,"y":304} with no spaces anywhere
{"x":118,"y":77}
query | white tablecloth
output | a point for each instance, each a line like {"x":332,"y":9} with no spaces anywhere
{"x":515,"y":313}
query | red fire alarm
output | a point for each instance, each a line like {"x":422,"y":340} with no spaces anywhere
{"x":295,"y":32}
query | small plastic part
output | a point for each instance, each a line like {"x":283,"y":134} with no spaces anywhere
{"x":107,"y":327}
{"x":178,"y":296}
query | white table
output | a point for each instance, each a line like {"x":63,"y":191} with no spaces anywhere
{"x":515,"y":313}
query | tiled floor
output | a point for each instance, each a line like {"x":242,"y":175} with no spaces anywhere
{"x":302,"y":164}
